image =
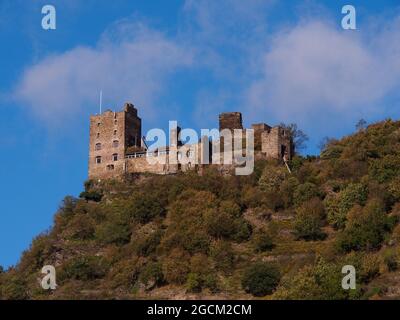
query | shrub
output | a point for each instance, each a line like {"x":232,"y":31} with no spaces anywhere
{"x":305,"y":192}
{"x":272,"y":178}
{"x":113,"y":232}
{"x":176,"y":266}
{"x":148,"y":245}
{"x":14,"y":289}
{"x":222,"y":254}
{"x":219,"y":224}
{"x":308,"y":220}
{"x":152,"y":275}
{"x":193,"y":282}
{"x":262,"y":242}
{"x":384,"y":170}
{"x":366,"y":228}
{"x":243,"y":230}
{"x":145,"y":207}
{"x":338,"y":206}
{"x":80,"y":227}
{"x":91,"y":196}
{"x":260,"y":279}
{"x":84,"y":268}
{"x":390,"y":259}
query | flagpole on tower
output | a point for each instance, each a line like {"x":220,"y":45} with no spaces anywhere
{"x":101,"y":99}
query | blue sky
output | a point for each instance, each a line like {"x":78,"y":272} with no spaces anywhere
{"x":176,"y":60}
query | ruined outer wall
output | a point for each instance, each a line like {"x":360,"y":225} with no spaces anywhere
{"x":272,"y":142}
{"x":259,"y":128}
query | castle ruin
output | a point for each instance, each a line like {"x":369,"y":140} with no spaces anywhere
{"x":117,"y":148}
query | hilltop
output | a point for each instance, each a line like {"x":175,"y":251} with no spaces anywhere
{"x":270,"y":235}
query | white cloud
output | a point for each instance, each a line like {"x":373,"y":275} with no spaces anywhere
{"x":130,"y":63}
{"x":316,"y":68}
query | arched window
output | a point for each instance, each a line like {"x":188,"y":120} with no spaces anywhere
{"x":115,"y":157}
{"x":98,"y":160}
{"x":98,"y":134}
{"x":115,"y":143}
{"x":98,"y":146}
{"x":115,"y":132}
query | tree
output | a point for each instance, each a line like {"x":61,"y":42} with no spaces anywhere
{"x":299,"y":138}
{"x":365,"y":229}
{"x":261,"y":279}
{"x":308,"y":221}
{"x":325,"y":143}
{"x":361,"y":125}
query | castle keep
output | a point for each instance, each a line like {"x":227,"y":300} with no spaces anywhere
{"x":117,"y":147}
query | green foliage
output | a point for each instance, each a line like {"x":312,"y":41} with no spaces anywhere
{"x":263,"y":242}
{"x":148,"y":245}
{"x":14,"y":289}
{"x":91,"y":196}
{"x":84,"y":268}
{"x":308,"y":221}
{"x":223,"y":255}
{"x":321,"y":281}
{"x":113,"y":232}
{"x":272,"y":178}
{"x":365,"y":229}
{"x":384,"y":170}
{"x":305,"y":192}
{"x":146,"y":206}
{"x":176,"y":266}
{"x":338,"y":206}
{"x":390,"y":259}
{"x":152,"y":273}
{"x":80,"y":227}
{"x":188,"y":229}
{"x":261,"y":279}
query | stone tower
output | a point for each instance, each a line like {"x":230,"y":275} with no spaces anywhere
{"x":230,"y":120}
{"x":111,"y":134}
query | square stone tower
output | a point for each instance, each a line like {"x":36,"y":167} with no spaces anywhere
{"x":230,"y":120}
{"x":111,"y":134}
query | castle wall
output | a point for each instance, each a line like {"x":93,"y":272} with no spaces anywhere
{"x":276,"y":143}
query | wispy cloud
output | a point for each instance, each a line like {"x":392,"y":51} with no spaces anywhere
{"x":315,"y":67}
{"x":130,"y":62}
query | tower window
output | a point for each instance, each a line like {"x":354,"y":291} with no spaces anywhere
{"x":98,"y":146}
{"x":115,"y":132}
{"x":98,"y":124}
{"x":115,"y":143}
{"x":98,"y":134}
{"x":115,"y":121}
{"x":98,"y":160}
{"x":115,"y":157}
